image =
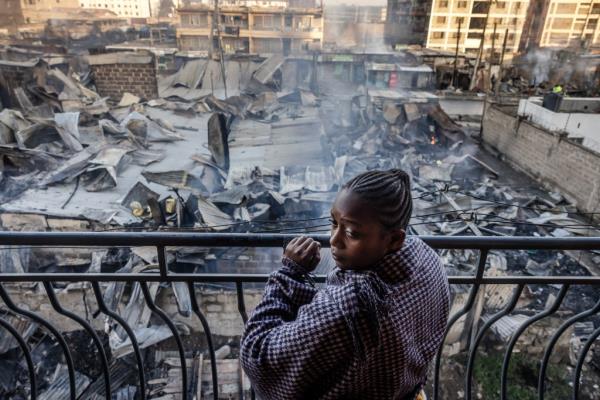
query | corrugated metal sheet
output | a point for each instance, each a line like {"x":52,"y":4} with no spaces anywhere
{"x":505,"y":327}
{"x":265,"y":72}
{"x":59,"y":388}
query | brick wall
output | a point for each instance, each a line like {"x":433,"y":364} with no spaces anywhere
{"x":552,"y":159}
{"x":115,"y":74}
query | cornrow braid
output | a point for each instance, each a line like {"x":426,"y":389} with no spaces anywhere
{"x":388,"y":192}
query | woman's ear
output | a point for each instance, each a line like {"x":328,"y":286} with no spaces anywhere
{"x":397,"y":237}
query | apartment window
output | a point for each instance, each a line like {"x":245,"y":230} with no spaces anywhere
{"x":477,"y":23}
{"x":440,"y":20}
{"x":268,"y":45}
{"x":461,"y":4}
{"x":596,"y":9}
{"x":264,"y":21}
{"x":439,"y":35}
{"x":460,"y":20}
{"x":592,"y":24}
{"x":443,"y":4}
{"x":303,"y":23}
{"x":566,"y":8}
{"x":561,"y":23}
{"x":500,"y":5}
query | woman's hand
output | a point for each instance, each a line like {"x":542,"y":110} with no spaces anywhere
{"x":304,"y":251}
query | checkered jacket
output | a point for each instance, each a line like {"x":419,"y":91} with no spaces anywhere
{"x":364,"y":335}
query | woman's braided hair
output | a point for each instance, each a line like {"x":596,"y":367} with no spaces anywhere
{"x":388,"y":192}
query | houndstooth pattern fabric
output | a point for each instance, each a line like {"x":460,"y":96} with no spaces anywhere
{"x":364,"y":335}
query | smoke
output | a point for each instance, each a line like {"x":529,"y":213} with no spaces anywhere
{"x":357,"y":28}
{"x":541,"y":61}
{"x":564,"y":67}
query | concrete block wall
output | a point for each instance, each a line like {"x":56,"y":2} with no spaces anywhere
{"x":551,"y":158}
{"x":113,"y":80}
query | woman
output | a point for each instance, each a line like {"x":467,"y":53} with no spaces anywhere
{"x":372,"y":330}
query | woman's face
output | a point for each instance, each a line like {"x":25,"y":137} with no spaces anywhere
{"x":358,"y":240}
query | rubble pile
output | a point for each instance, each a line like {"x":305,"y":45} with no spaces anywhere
{"x":265,"y":159}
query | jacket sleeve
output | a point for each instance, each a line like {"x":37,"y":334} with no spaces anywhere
{"x":295,"y":338}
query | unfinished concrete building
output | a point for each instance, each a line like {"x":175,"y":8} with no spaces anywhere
{"x":260,"y":30}
{"x":476,"y":18}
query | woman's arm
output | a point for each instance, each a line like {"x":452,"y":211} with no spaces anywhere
{"x":296,"y":339}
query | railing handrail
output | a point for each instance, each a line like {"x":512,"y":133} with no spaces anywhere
{"x":162,"y":239}
{"x":200,"y":239}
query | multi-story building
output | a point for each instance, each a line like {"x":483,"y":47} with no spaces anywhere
{"x":250,"y":29}
{"x":508,"y":16}
{"x":561,"y":23}
{"x":406,"y":22}
{"x":18,"y":12}
{"x":124,"y":8}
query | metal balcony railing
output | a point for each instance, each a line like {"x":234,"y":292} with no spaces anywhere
{"x":162,"y":240}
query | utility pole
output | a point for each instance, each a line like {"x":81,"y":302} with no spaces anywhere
{"x":480,"y":53}
{"x":501,"y":62}
{"x":220,"y":43}
{"x":455,"y":71}
{"x":212,"y":30}
{"x":491,"y":60}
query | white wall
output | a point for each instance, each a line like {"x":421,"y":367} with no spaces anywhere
{"x":576,"y":125}
{"x":460,"y":107}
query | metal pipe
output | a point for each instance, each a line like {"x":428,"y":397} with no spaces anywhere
{"x":277,"y":240}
